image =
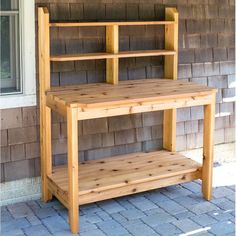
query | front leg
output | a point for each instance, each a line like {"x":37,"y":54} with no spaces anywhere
{"x":73,"y":189}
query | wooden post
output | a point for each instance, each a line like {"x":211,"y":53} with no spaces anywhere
{"x":171,"y":72}
{"x":208,"y":149}
{"x":112,"y":46}
{"x":45,"y":112}
{"x":72,"y":146}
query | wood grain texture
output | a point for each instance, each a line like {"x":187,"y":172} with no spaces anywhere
{"x":119,"y":23}
{"x":72,"y":168}
{"x":112,"y":46}
{"x":208,"y":149}
{"x":45,"y":112}
{"x":127,"y":174}
{"x":107,"y":55}
{"x":170,"y":72}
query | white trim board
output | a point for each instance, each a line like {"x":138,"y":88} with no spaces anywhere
{"x":30,"y":188}
{"x":27,"y":65}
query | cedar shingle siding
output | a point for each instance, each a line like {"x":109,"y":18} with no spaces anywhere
{"x":206,"y":55}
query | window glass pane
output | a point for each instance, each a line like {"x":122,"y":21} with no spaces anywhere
{"x":7,"y":5}
{"x":9,"y":65}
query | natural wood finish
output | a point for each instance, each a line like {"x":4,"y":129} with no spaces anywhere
{"x":72,"y":181}
{"x":45,"y":112}
{"x":122,"y":23}
{"x":171,"y":72}
{"x":106,"y":55}
{"x":208,"y":149}
{"x":112,"y":46}
{"x":127,"y":174}
{"x":102,"y":179}
{"x":142,"y":92}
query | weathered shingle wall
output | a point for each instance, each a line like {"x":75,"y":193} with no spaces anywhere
{"x":206,"y":55}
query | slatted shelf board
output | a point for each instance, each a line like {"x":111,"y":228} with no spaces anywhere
{"x":125,"y":174}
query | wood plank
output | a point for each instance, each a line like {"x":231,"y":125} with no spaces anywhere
{"x":73,"y":185}
{"x":112,"y":46}
{"x":107,"y":55}
{"x":137,"y":188}
{"x":111,"y":177}
{"x":208,"y":149}
{"x":45,"y":112}
{"x":119,"y":23}
{"x":171,"y":72}
{"x":145,"y":53}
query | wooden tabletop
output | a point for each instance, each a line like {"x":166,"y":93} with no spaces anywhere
{"x":103,"y":94}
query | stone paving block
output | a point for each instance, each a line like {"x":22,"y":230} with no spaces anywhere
{"x":91,"y":218}
{"x":103,"y":215}
{"x":185,"y":200}
{"x":117,"y":230}
{"x":222,"y":228}
{"x":176,"y":191}
{"x":224,"y":204}
{"x":138,"y":229}
{"x":14,"y":232}
{"x":156,"y":196}
{"x":33,"y":220}
{"x":125,"y":203}
{"x":186,"y":225}
{"x":19,"y":210}
{"x":142,"y":203}
{"x":167,"y":229}
{"x":202,"y":208}
{"x":192,"y":186}
{"x":222,"y":192}
{"x":55,"y":224}
{"x":203,"y":219}
{"x":45,"y":212}
{"x":172,"y":207}
{"x":157,"y":219}
{"x":119,"y":218}
{"x":5,"y":215}
{"x":132,"y":214}
{"x":14,"y":224}
{"x":94,"y":232}
{"x":110,"y":206}
{"x":184,"y":215}
{"x":37,"y":230}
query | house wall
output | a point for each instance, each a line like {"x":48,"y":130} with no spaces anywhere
{"x":206,"y":55}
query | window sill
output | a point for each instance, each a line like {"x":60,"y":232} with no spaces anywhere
{"x":18,"y":100}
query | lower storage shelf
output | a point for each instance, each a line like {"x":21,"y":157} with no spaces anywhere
{"x":126,"y":174}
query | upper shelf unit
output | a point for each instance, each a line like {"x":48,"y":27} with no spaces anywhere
{"x":118,"y":23}
{"x":112,"y":53}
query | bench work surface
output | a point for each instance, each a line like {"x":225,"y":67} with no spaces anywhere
{"x":133,"y":96}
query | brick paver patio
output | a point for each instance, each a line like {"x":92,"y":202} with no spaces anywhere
{"x":176,"y":210}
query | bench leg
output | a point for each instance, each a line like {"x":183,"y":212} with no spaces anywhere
{"x":46,"y":151}
{"x":208,"y":147}
{"x":72,"y":144}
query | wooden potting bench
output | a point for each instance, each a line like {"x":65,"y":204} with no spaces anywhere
{"x":90,"y":181}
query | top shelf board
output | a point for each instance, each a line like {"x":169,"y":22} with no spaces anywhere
{"x":122,"y":23}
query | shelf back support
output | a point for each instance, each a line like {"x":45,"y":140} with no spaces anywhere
{"x":45,"y":112}
{"x":171,"y":72}
{"x":112,"y":46}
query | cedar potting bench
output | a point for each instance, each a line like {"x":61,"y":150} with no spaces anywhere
{"x":90,"y":181}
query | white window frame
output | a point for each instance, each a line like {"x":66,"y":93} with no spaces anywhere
{"x":27,"y":97}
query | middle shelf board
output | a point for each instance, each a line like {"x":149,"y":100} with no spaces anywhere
{"x":106,"y":55}
{"x":118,"y":23}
